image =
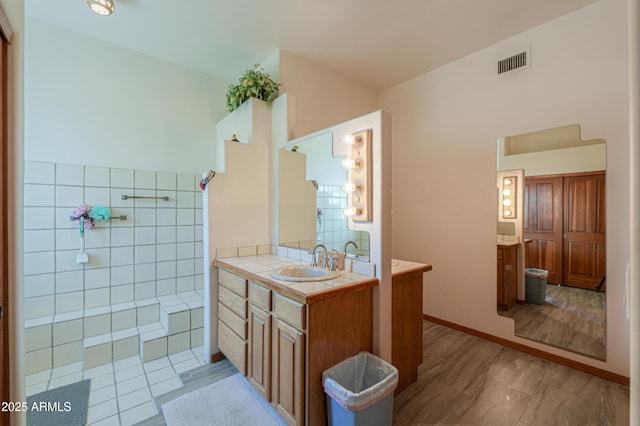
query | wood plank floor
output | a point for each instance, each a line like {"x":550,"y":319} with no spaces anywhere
{"x":465,"y":380}
{"x":571,"y":318}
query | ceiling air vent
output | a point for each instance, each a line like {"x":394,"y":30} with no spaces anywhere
{"x":514,"y":62}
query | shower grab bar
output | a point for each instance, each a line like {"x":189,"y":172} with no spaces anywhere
{"x":121,"y":217}
{"x":126,"y":197}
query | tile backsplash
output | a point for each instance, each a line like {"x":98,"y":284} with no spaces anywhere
{"x":156,"y":251}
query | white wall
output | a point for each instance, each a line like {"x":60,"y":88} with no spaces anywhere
{"x":445,"y":126}
{"x":92,"y":103}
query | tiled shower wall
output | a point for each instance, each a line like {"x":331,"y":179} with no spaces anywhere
{"x":156,"y":251}
{"x":332,"y":228}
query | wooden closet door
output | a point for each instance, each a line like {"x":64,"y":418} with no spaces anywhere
{"x":584,"y":230}
{"x":543,"y":224}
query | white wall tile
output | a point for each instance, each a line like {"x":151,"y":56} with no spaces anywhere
{"x":166,"y":217}
{"x":116,"y":197}
{"x":121,"y":275}
{"x":69,"y":196}
{"x":97,"y":297}
{"x":37,"y":307}
{"x":145,"y":290}
{"x":165,"y":270}
{"x":148,"y":314}
{"x":97,"y":176}
{"x":198,"y":201}
{"x":67,"y":354}
{"x":144,"y":179}
{"x":199,"y":282}
{"x":185,"y":267}
{"x":198,"y":232}
{"x":179,"y":342}
{"x":121,"y":178}
{"x":62,"y":218}
{"x":97,"y":278}
{"x":67,"y":331}
{"x":123,"y":319}
{"x":39,"y":195}
{"x":145,"y":272}
{"x":171,"y":203}
{"x":165,"y":234}
{"x":145,"y":235}
{"x":37,"y":338}
{"x":122,"y":256}
{"x":69,"y":174}
{"x":197,"y":338}
{"x":98,"y":355}
{"x":165,"y":252}
{"x":70,"y":281}
{"x":185,"y":234}
{"x":39,"y":217}
{"x":38,"y":240}
{"x":145,"y":217}
{"x":199,"y":249}
{"x":126,"y":348}
{"x":166,"y":180}
{"x":98,"y":237}
{"x":97,"y":196}
{"x":99,"y":258}
{"x":36,"y":172}
{"x":185,"y":251}
{"x":186,"y":200}
{"x":198,"y":216}
{"x":186,"y":182}
{"x":179,"y":322}
{"x":154,"y":349}
{"x":39,"y":263}
{"x":69,"y":302}
{"x":122,"y":294}
{"x":129,"y":212}
{"x":165,"y":287}
{"x":38,"y":361}
{"x":184,"y":284}
{"x":185,"y":216}
{"x":197,"y":318}
{"x":68,"y":239}
{"x":39,"y":285}
{"x":121,"y":236}
{"x":145,"y":254}
{"x":97,"y":325}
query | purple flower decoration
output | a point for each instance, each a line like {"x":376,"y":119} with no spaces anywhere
{"x":82,"y":212}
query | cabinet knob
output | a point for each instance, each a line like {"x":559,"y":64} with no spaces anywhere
{"x":564,"y":236}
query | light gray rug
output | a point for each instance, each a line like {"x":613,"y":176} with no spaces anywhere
{"x":230,"y":401}
{"x":66,"y":405}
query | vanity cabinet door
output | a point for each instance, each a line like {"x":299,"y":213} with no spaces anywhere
{"x":288,"y":372}
{"x":259,"y":373}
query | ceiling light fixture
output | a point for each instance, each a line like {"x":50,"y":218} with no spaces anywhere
{"x":101,"y":7}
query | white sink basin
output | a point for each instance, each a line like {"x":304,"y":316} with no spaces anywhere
{"x":303,"y":273}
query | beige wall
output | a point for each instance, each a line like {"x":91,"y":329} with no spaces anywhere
{"x":445,"y":126}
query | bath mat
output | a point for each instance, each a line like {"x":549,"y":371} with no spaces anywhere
{"x":66,"y":405}
{"x":230,"y":401}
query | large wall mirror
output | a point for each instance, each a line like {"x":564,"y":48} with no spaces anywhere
{"x":311,"y":198}
{"x":552,"y":225}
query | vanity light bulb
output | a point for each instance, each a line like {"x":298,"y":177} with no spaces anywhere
{"x":349,"y":139}
{"x":507,"y":181}
{"x":349,"y":211}
{"x":506,"y":202}
{"x":506,"y":192}
{"x":507,"y":212}
{"x":349,"y":187}
{"x":348,"y":163}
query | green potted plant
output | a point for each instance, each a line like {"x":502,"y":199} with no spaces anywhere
{"x":254,"y":83}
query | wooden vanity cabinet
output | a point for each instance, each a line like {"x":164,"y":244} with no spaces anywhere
{"x":507,"y":275}
{"x":282,"y":346}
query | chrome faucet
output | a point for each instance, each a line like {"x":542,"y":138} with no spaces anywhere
{"x":314,"y":261}
{"x":347,"y":245}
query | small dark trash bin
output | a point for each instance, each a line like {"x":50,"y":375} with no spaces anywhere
{"x":360,"y":391}
{"x":536,"y":285}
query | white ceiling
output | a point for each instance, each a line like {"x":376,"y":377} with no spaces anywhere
{"x":378,"y":42}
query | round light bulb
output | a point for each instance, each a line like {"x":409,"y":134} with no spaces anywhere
{"x":507,"y":212}
{"x":507,"y":181}
{"x":506,"y":192}
{"x":349,"y":187}
{"x":506,"y":202}
{"x":349,"y":211}
{"x":349,"y":139}
{"x":349,"y":163}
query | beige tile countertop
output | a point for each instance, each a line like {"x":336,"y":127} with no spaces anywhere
{"x":399,"y":267}
{"x":258,"y":268}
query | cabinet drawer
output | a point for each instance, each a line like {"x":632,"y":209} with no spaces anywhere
{"x":260,"y":296}
{"x":232,"y":301}
{"x":234,"y":322}
{"x":233,"y":282}
{"x":233,"y":347}
{"x":290,"y":311}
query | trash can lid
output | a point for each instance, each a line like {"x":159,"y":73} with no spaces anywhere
{"x":537,"y":273}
